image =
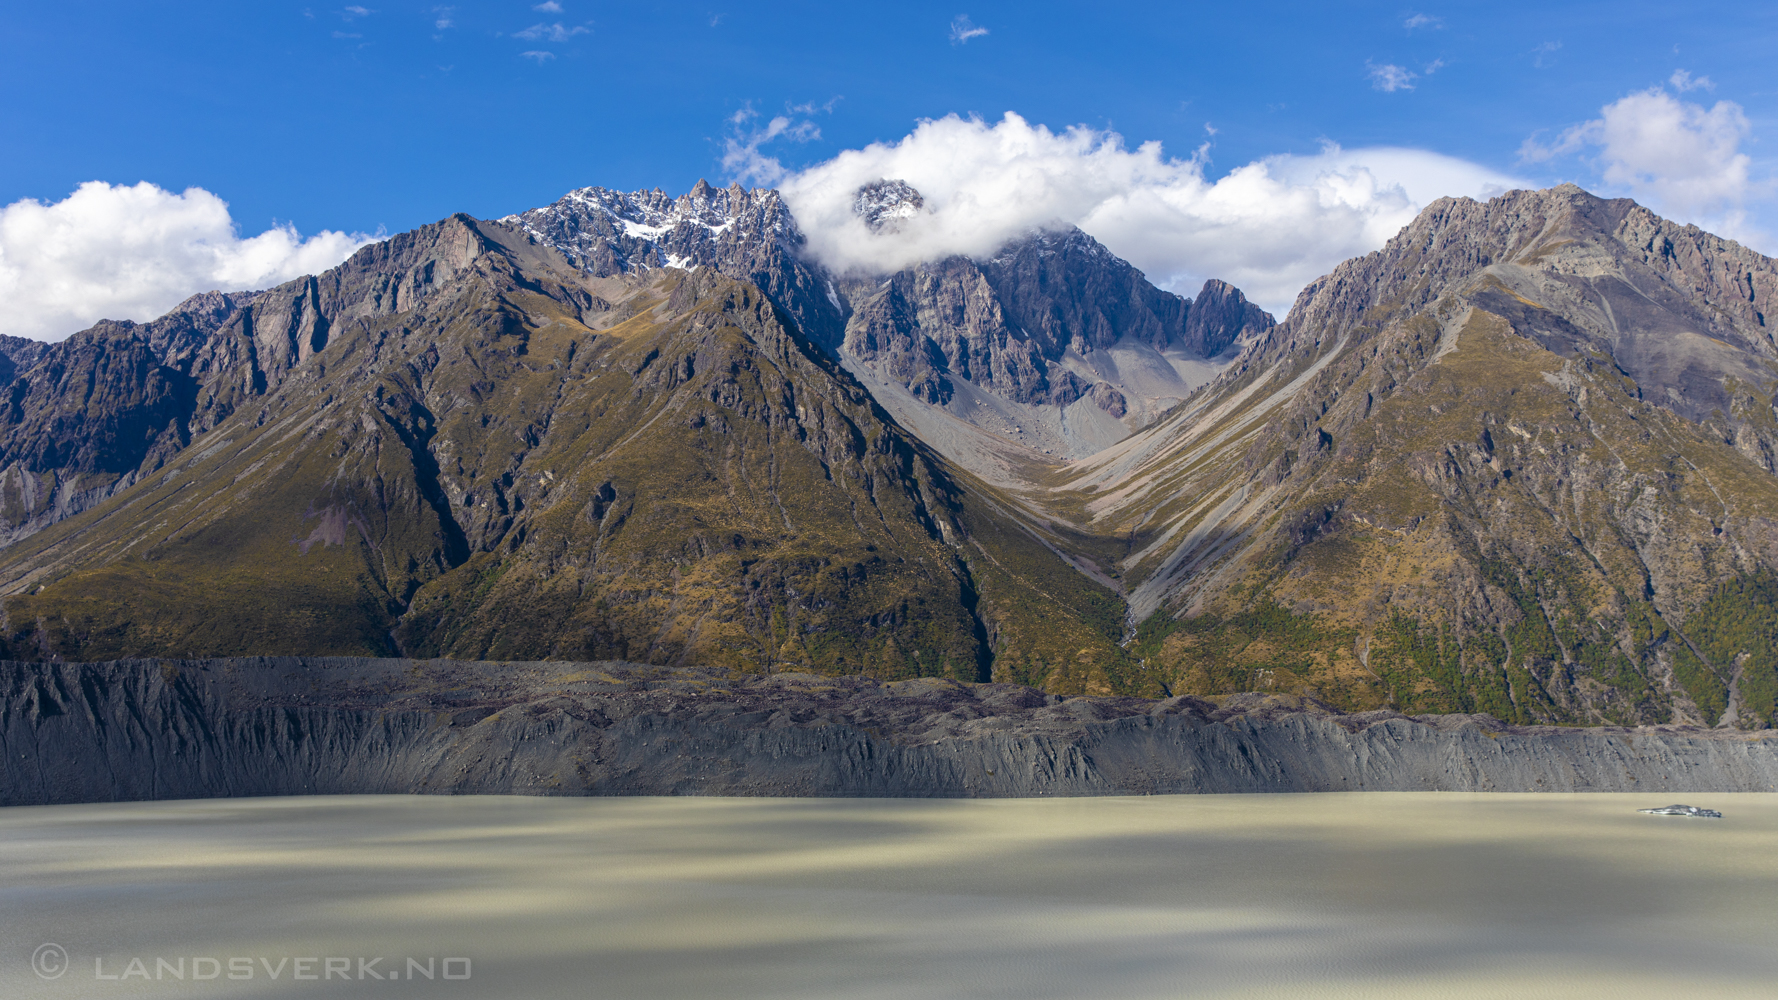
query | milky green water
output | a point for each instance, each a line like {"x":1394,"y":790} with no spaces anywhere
{"x":1348,"y":895}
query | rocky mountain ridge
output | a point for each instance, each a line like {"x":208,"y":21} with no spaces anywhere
{"x":1007,"y":346}
{"x":748,"y":235}
{"x":530,"y":461}
{"x":1516,"y":462}
{"x":1053,"y":343}
{"x":109,"y":406}
{"x":1513,"y":460}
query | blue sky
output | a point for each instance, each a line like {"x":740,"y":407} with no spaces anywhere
{"x":385,"y":115}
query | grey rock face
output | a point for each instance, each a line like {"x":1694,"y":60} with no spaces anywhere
{"x":1006,"y":344}
{"x":18,"y":354}
{"x":201,"y":728}
{"x":88,"y":416}
{"x":1221,"y":317}
{"x":1069,"y":293}
{"x":928,"y":326}
{"x":94,"y":414}
{"x":1051,"y":320}
{"x":747,"y":235}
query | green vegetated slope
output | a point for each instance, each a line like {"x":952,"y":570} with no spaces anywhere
{"x":530,"y":463}
{"x":1449,"y":484}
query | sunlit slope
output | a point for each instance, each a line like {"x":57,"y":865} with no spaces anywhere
{"x":1519,"y":461}
{"x":534,"y":463}
{"x":116,"y":404}
{"x":1515,"y":462}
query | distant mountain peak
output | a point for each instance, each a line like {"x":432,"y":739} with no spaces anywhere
{"x":1520,"y":460}
{"x":606,"y":232}
{"x":1048,"y":242}
{"x":885,"y":204}
{"x":1031,"y":325}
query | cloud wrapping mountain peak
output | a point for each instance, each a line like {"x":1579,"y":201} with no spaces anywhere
{"x":1269,"y":227}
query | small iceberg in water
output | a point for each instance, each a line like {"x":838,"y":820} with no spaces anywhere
{"x":1693,"y":811}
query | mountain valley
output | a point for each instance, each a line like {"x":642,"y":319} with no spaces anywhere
{"x":1520,"y":461}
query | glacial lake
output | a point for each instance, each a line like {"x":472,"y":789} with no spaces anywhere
{"x":1251,"y":896}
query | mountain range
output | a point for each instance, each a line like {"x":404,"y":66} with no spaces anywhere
{"x":1520,"y":461}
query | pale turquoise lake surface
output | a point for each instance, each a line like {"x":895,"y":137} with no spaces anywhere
{"x":1350,"y":895}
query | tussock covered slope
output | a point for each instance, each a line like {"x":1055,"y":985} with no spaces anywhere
{"x":1517,"y":462}
{"x":528,"y":461}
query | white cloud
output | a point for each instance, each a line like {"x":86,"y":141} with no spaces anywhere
{"x":549,"y":6}
{"x":120,"y":252}
{"x":741,"y":156}
{"x":1434,"y":66}
{"x":962,"y":30}
{"x":1423,"y":21}
{"x":1545,"y":54}
{"x":1269,"y":227}
{"x":1683,"y":81}
{"x":551,"y":32}
{"x":541,"y":57}
{"x":1389,"y":77}
{"x":809,"y":107}
{"x":443,"y":18}
{"x":1680,"y":159}
{"x":352,"y":12}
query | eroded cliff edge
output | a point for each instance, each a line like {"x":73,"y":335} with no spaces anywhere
{"x":158,"y":729}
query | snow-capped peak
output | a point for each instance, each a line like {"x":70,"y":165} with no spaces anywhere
{"x":885,"y":204}
{"x":605,"y":232}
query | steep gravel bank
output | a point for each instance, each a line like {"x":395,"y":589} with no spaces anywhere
{"x":158,"y":729}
